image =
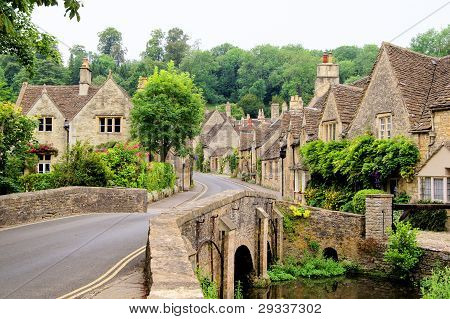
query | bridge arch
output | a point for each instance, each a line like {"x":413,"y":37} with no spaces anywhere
{"x":331,"y":253}
{"x":243,"y":265}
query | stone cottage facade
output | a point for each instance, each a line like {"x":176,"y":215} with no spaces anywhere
{"x":71,"y":113}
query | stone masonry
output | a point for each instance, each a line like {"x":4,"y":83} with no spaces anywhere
{"x":378,"y":216}
{"x":29,"y":207}
{"x":212,"y":230}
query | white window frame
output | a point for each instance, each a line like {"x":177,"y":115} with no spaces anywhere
{"x":45,"y":124}
{"x":44,"y":164}
{"x":384,"y":125}
{"x":445,"y":188}
{"x":113,"y":122}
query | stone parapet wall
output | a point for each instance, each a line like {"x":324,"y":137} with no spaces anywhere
{"x":179,"y":241}
{"x":337,"y":230}
{"x":35,"y":206}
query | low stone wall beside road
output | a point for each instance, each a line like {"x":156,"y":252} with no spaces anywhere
{"x":34,"y":206}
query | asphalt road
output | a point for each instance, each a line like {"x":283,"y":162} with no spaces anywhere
{"x":50,"y":259}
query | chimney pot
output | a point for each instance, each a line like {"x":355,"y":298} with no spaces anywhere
{"x":325,"y":57}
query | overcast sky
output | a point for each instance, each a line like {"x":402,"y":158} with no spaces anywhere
{"x":316,"y":24}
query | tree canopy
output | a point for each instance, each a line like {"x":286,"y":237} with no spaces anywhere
{"x":433,"y":42}
{"x":167,"y":112}
{"x":110,"y":43}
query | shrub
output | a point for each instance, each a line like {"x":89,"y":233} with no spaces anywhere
{"x":238,"y":290}
{"x":208,"y":286}
{"x":160,"y":176}
{"x":126,"y":163}
{"x":428,"y":219}
{"x":300,"y":212}
{"x":359,"y":200}
{"x":38,"y":182}
{"x":436,"y":286}
{"x":402,"y":252}
{"x":81,"y":166}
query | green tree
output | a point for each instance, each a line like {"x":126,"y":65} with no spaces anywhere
{"x":176,"y":46}
{"x":167,"y":112}
{"x":229,"y":64}
{"x":16,"y":132}
{"x":77,"y":53}
{"x":110,"y":43}
{"x":20,"y":37}
{"x":155,"y":46}
{"x":102,"y":64}
{"x":5,"y":91}
{"x":203,"y":67}
{"x":250,"y":103}
{"x":432,"y":42}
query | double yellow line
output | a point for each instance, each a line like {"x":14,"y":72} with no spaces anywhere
{"x":111,"y":273}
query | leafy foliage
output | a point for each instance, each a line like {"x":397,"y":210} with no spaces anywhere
{"x":403,"y":252}
{"x":167,"y":112}
{"x":199,"y":157}
{"x":250,"y":104}
{"x":359,"y":200}
{"x":160,"y":176}
{"x":37,"y":182}
{"x":208,"y":286}
{"x":238,"y":294}
{"x":428,"y":219}
{"x":432,"y":42}
{"x":436,"y":286}
{"x":110,"y":43}
{"x":351,"y":165}
{"x":81,"y":166}
{"x":16,"y":132}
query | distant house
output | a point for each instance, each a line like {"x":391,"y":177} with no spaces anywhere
{"x":71,"y":113}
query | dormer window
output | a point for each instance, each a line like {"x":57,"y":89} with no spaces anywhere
{"x":384,"y":126}
{"x":45,"y":124}
{"x":110,"y":124}
{"x":329,"y":131}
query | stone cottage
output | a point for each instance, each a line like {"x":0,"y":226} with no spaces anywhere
{"x":408,"y":94}
{"x":71,"y":113}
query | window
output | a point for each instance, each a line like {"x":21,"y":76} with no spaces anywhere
{"x":438,"y":188}
{"x":270,"y":169}
{"x":110,"y":124}
{"x":329,"y":131}
{"x":435,"y":188}
{"x":425,"y":188}
{"x":45,"y":124}
{"x":385,"y":126}
{"x":44,"y":163}
{"x":448,"y":189}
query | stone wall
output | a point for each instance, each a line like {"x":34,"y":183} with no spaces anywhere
{"x":29,"y":207}
{"x":340,"y":231}
{"x":216,"y":224}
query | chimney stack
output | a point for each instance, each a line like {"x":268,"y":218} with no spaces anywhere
{"x":274,"y":111}
{"x":228,"y":109}
{"x":261,"y":114}
{"x":284,"y":107}
{"x":296,"y":103}
{"x":85,"y":77}
{"x":327,"y":74}
{"x":249,"y":121}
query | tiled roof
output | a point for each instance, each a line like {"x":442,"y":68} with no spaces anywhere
{"x":206,"y":138}
{"x":245,"y":140}
{"x":362,"y":83}
{"x":440,"y":90}
{"x":295,"y":124}
{"x":65,"y":97}
{"x":313,"y":113}
{"x":221,"y":151}
{"x":414,"y":72}
{"x":347,"y":100}
{"x":272,"y":152}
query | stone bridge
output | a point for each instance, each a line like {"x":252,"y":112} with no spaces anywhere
{"x":230,"y":237}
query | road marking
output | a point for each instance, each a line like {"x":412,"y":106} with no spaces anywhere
{"x":110,"y":274}
{"x":205,"y":189}
{"x":239,"y":184}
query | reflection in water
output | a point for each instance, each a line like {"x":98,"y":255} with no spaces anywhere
{"x":359,"y":287}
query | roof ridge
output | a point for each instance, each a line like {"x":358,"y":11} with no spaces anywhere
{"x":409,"y":50}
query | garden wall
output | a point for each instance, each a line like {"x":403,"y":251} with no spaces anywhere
{"x":34,"y":206}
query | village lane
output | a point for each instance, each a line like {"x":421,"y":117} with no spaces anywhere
{"x":53,"y":258}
